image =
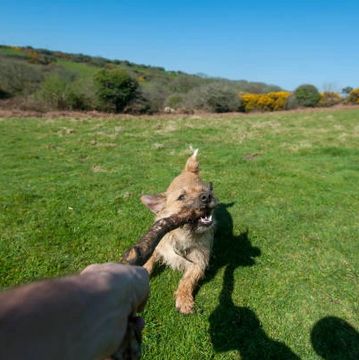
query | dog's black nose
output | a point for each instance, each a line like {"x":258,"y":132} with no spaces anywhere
{"x":205,"y":197}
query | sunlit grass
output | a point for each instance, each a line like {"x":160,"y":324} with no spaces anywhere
{"x":286,"y":253}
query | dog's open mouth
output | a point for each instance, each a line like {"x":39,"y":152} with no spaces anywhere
{"x":206,"y":220}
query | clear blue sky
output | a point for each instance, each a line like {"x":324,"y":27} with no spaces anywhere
{"x":280,"y":42}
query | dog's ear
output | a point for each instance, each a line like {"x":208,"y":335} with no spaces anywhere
{"x":192,"y":164}
{"x":155,"y":203}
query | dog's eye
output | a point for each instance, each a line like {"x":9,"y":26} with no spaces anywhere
{"x":181,"y":197}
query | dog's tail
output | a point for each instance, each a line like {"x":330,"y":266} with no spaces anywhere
{"x":192,"y":164}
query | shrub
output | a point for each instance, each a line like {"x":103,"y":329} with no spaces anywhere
{"x":139,"y":104}
{"x":28,"y":102}
{"x":183,"y":83}
{"x":61,"y":94}
{"x":115,"y":88}
{"x":329,"y":98}
{"x":36,"y":57}
{"x":175,"y":101}
{"x":19,"y":78}
{"x":54,"y":92}
{"x":215,"y":97}
{"x":272,"y":101}
{"x":307,"y":95}
{"x":292,"y":103}
{"x":255,"y":87}
{"x":354,"y":97}
{"x":155,"y":92}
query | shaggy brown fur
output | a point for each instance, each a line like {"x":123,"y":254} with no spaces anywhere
{"x":188,"y":247}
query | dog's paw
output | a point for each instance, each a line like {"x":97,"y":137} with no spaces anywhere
{"x":184,"y":305}
{"x":148,"y":267}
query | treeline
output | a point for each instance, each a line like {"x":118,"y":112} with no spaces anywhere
{"x":36,"y":79}
{"x":43,"y":80}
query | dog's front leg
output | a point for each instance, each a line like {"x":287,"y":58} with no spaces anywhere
{"x":151,"y":262}
{"x":186,"y":287}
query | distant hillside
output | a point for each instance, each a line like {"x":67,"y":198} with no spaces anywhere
{"x":53,"y":79}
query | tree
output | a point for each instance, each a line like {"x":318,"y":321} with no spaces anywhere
{"x":216,"y":97}
{"x":115,"y":88}
{"x":307,"y":95}
{"x":347,"y":90}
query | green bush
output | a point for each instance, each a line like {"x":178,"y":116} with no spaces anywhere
{"x":59,"y":93}
{"x":175,"y":101}
{"x":115,"y":89}
{"x":215,"y":97}
{"x":54,"y":92}
{"x":307,"y":95}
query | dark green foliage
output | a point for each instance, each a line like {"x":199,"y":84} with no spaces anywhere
{"x":217,"y":97}
{"x":307,"y":95}
{"x":3,"y":94}
{"x":140,"y":104}
{"x":347,"y":90}
{"x":115,"y":88}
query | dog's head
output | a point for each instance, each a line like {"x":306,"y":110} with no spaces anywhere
{"x":186,"y":191}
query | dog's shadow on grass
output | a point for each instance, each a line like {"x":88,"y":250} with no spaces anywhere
{"x":234,"y":327}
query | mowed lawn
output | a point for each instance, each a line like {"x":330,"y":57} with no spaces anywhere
{"x":283,"y":283}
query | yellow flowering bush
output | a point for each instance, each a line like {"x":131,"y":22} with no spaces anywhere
{"x":329,"y":98}
{"x":141,"y":78}
{"x":354,"y":96}
{"x":272,"y":101}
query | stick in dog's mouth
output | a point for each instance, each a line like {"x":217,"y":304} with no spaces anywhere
{"x":143,"y":249}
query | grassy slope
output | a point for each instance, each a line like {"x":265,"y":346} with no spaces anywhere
{"x":85,"y":67}
{"x":69,"y":196}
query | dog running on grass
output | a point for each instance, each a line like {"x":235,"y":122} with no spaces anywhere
{"x":188,"y":247}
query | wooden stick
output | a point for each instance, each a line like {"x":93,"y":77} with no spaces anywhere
{"x":143,"y":249}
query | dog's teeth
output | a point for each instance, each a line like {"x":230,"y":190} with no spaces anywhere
{"x":210,"y":217}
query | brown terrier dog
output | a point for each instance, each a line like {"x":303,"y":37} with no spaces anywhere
{"x":186,"y":248}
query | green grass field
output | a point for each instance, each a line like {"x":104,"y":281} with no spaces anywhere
{"x":283,"y":283}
